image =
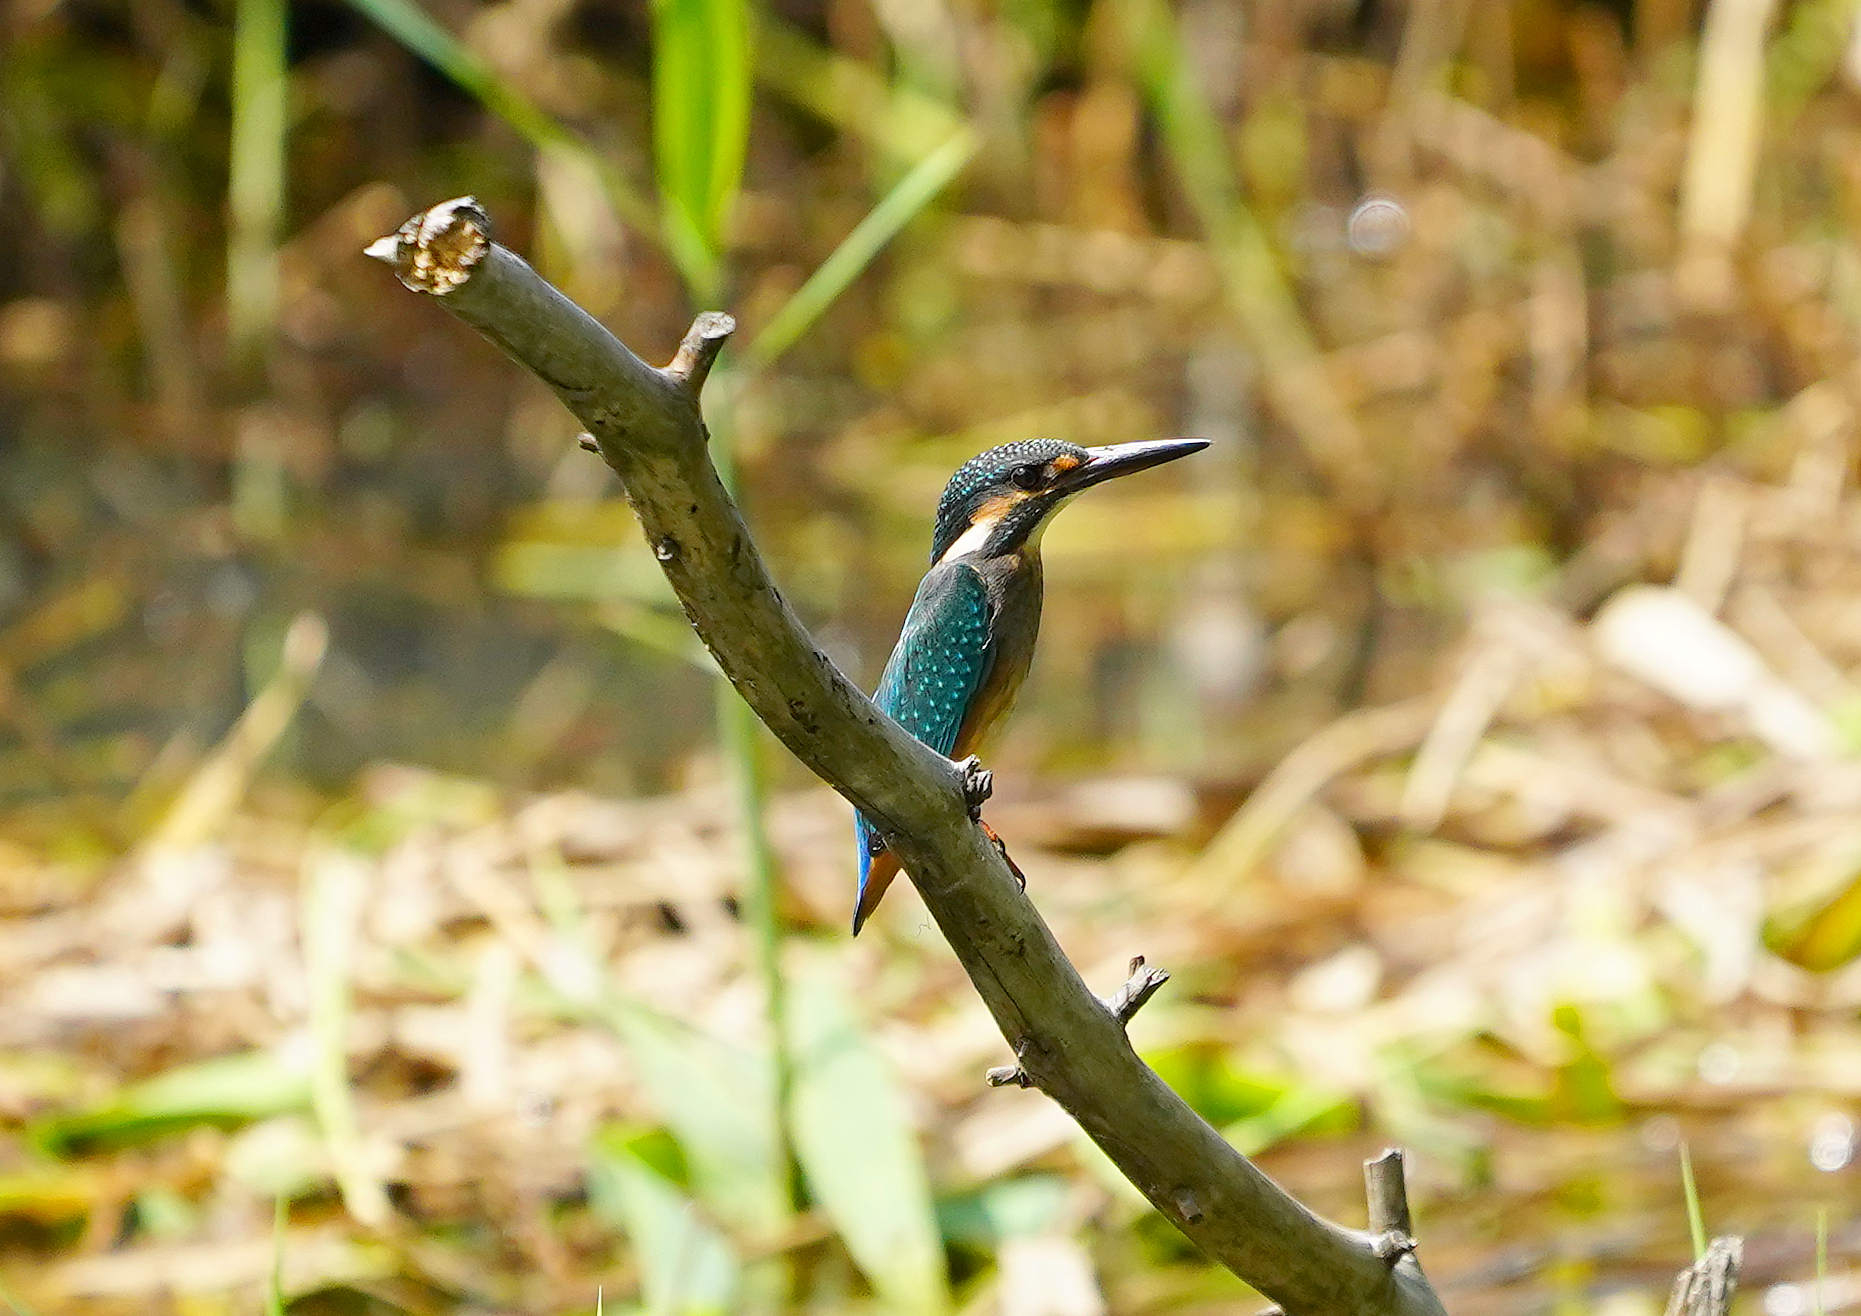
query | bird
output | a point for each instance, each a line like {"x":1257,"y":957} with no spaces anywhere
{"x":969,"y":637}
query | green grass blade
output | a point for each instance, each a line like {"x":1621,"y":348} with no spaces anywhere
{"x":701,"y":127}
{"x":226,"y":1091}
{"x":861,"y":1156}
{"x":896,"y":209}
{"x":687,"y":1266}
{"x":853,"y":96}
{"x":714,"y":1098}
{"x":255,"y":176}
{"x":1696,"y":1218}
{"x":761,"y":888}
{"x":410,"y":25}
{"x":274,"y":1285}
{"x":740,"y":742}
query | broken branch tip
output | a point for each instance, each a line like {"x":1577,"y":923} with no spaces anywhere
{"x":703,"y":341}
{"x":437,"y":250}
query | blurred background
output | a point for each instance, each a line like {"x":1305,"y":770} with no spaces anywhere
{"x":395,"y":916}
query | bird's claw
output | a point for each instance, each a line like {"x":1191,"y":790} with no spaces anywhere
{"x":978,"y":785}
{"x":1001,"y":848}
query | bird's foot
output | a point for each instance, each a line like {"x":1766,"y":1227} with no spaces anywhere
{"x":978,"y":785}
{"x":1001,"y":848}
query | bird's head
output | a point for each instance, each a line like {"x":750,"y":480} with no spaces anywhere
{"x":999,"y":500}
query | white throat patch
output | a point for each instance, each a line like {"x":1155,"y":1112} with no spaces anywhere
{"x":976,"y":538}
{"x":971,"y":540}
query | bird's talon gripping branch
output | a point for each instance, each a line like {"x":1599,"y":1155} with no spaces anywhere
{"x":978,"y":785}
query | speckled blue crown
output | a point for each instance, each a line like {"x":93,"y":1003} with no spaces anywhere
{"x":985,"y":471}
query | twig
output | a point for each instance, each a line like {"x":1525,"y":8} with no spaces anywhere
{"x":1705,"y":1288}
{"x":1138,"y":988}
{"x":1009,"y":1076}
{"x":648,"y":429}
{"x":1388,"y":1197}
{"x":691,"y":365}
{"x":1123,"y":1006}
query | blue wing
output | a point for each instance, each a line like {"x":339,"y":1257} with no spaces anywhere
{"x":929,"y":683}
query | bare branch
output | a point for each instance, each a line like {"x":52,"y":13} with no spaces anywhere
{"x":1009,"y":1076}
{"x":646,"y":424}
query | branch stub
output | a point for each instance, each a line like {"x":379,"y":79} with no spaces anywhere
{"x":703,"y":341}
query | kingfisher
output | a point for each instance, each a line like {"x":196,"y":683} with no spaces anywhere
{"x":969,"y":637}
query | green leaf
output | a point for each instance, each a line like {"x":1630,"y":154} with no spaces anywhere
{"x":1584,"y":1088}
{"x":1021,"y":1207}
{"x":274,"y":1282}
{"x":862,"y":1162}
{"x":1830,"y":937}
{"x":717,"y":1100}
{"x":1696,"y":1217}
{"x":1219,"y":1090}
{"x":850,"y":94}
{"x":701,"y":126}
{"x":686,"y":1265}
{"x":1300,"y":1110}
{"x":856,"y":251}
{"x":571,"y":573}
{"x":226,"y":1091}
{"x":47,"y":1193}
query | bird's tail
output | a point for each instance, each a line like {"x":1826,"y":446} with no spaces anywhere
{"x":876,"y":872}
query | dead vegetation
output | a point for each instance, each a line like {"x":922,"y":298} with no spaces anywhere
{"x":1485,"y":728}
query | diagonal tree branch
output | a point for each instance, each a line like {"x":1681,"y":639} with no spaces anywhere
{"x":645,"y":423}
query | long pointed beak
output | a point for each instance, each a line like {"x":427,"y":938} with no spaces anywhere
{"x":1117,"y":459}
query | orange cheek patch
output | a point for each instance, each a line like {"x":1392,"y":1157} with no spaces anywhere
{"x":995,"y":509}
{"x":981,"y":525}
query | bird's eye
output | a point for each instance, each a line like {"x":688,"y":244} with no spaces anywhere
{"x":1026,"y":477}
